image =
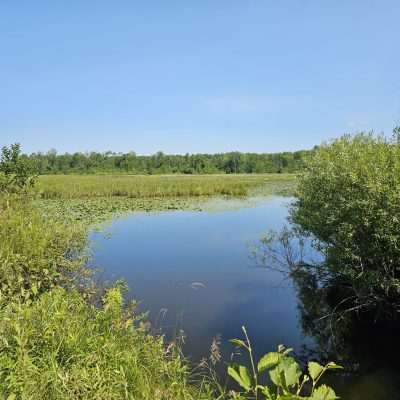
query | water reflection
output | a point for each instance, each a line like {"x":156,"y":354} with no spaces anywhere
{"x":352,"y":336}
{"x":197,"y":271}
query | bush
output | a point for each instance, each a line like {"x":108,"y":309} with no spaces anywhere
{"x":36,"y":253}
{"x":348,"y":199}
{"x":54,"y":344}
{"x":59,"y":347}
{"x":16,"y":172}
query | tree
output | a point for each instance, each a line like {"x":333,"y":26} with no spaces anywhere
{"x":16,"y":172}
{"x":348,"y":199}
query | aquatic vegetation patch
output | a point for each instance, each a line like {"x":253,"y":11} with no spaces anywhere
{"x":92,"y":199}
{"x":93,"y":210}
{"x":149,"y":186}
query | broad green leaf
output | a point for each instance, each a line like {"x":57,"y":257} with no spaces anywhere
{"x":291,"y":371}
{"x":276,"y":376}
{"x":268,"y":361}
{"x":314,"y":370}
{"x":242,"y":376}
{"x":323,"y":392}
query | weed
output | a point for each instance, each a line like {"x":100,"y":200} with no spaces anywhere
{"x":287,"y":380}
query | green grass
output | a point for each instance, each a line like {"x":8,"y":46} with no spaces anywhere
{"x":54,"y":343}
{"x":157,"y":186}
{"x":94,"y":198}
{"x":60,"y":347}
{"x":34,"y":250}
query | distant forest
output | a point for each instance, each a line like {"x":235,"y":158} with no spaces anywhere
{"x":160,"y":163}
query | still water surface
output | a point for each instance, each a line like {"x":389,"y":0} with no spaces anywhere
{"x":194,"y":271}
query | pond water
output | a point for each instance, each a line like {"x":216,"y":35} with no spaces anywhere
{"x":194,"y":271}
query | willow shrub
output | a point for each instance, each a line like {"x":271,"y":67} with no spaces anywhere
{"x":60,"y":347}
{"x":348,"y":199}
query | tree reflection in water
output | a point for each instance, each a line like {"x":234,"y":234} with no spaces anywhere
{"x":352,"y":334}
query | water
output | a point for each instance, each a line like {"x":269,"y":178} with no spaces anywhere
{"x":194,"y":271}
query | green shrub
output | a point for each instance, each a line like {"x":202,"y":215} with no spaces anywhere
{"x":36,"y":253}
{"x":59,"y":347}
{"x":348,"y":199}
{"x":17,"y":172}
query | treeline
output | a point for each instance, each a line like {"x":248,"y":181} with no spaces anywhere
{"x":160,"y":163}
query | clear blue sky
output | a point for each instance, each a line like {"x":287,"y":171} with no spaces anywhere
{"x":196,"y":75}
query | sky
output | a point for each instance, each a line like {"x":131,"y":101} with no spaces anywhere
{"x":196,"y":76}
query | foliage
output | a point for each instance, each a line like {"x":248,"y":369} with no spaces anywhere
{"x":160,"y":163}
{"x":53,"y":343}
{"x":36,"y":253}
{"x":91,"y":186}
{"x":287,"y":380}
{"x":348,"y":199}
{"x":99,"y":209}
{"x":16,"y":172}
{"x":59,"y":347}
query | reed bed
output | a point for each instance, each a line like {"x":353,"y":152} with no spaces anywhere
{"x":153,"y":186}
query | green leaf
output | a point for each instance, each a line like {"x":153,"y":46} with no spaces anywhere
{"x":291,"y":371}
{"x":314,"y":370}
{"x":276,"y":376}
{"x":238,"y":342}
{"x":332,"y":365}
{"x":323,"y":392}
{"x":235,"y":375}
{"x":266,"y":391}
{"x":286,"y":374}
{"x":34,"y":289}
{"x":244,"y":374}
{"x":241,"y":376}
{"x":268,"y":361}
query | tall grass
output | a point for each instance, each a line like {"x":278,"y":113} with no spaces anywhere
{"x":60,"y":348}
{"x":35,"y":252}
{"x":54,"y":344}
{"x":143,"y":186}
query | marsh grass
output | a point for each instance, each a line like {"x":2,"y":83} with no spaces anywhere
{"x":95,"y":198}
{"x":58,"y":338}
{"x":55,"y":341}
{"x":36,"y":253}
{"x":149,"y":186}
{"x":61,"y":347}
